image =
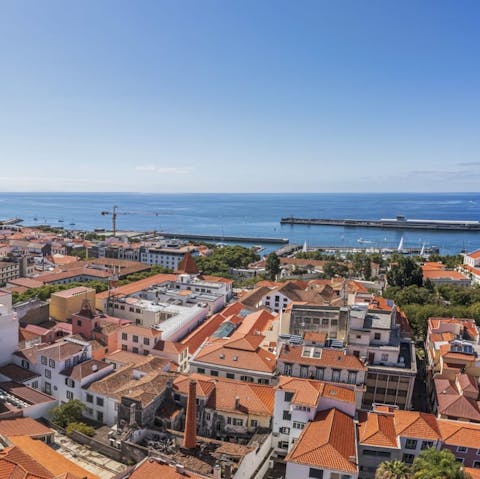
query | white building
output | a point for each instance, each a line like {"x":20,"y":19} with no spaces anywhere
{"x":297,"y":401}
{"x":8,"y":328}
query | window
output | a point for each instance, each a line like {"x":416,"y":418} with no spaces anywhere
{"x":43,"y":359}
{"x":284,"y":430}
{"x":124,"y":336}
{"x":411,"y":444}
{"x":70,"y":382}
{"x":287,"y":369}
{"x":377,"y":336}
{"x":89,"y":398}
{"x":263,"y":381}
{"x":247,"y":379}
{"x":79,"y":322}
{"x":287,"y":416}
{"x":35,"y":385}
{"x":135,"y":350}
{"x":303,"y":371}
{"x":25,"y":364}
{"x":315,"y":473}
{"x":48,"y":373}
{"x":135,"y":339}
{"x":201,"y":370}
{"x":124,"y":347}
{"x":99,"y":416}
{"x":426,"y":445}
{"x":230,"y":376}
{"x":408,"y":458}
{"x":89,"y":411}
{"x":462,"y":449}
{"x":336,"y":375}
{"x":384,"y":357}
{"x":207,"y":416}
{"x":213,"y":372}
{"x":69,"y":395}
{"x":146,"y":352}
{"x":288,"y":396}
{"x":146,"y":341}
{"x":48,"y":388}
{"x":283,"y":445}
{"x":99,"y":401}
{"x":319,"y":373}
{"x":371,"y":452}
{"x":459,"y":459}
{"x":237,"y":422}
{"x":352,"y":377}
{"x":476,"y":464}
{"x":229,"y":420}
{"x":298,"y":425}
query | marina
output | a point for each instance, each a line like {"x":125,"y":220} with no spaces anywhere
{"x":400,"y":222}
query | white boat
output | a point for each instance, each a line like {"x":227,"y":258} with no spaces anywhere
{"x":364,"y":241}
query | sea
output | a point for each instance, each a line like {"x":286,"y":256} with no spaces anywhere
{"x":256,"y":215}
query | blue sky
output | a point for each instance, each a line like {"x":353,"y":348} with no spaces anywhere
{"x":240,"y":96}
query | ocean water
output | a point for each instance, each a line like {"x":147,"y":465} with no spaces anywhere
{"x":256,"y":215}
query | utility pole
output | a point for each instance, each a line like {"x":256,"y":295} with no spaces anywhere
{"x":114,"y":218}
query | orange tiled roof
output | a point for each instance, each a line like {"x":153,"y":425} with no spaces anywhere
{"x":23,"y":426}
{"x":151,"y":468}
{"x":188,"y":265}
{"x":457,"y":433}
{"x":474,"y":254}
{"x":16,"y":464}
{"x":328,"y":358}
{"x":328,"y":442}
{"x":243,"y":353}
{"x":377,"y":429}
{"x":308,"y":391}
{"x":51,"y":460}
{"x":416,"y":425}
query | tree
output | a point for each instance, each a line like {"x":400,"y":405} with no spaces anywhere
{"x":433,"y":464}
{"x":272,"y":266}
{"x":80,"y":427}
{"x":334,"y":268}
{"x":405,"y":272}
{"x":393,"y":470}
{"x":69,"y":412}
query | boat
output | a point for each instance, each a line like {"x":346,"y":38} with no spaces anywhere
{"x":364,"y":241}
{"x":61,"y":220}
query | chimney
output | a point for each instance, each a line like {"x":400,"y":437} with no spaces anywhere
{"x":190,"y":437}
{"x":217,"y":472}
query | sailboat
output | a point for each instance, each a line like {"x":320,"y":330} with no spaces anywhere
{"x":304,"y":249}
{"x":400,"y":246}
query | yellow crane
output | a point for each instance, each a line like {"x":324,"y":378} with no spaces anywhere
{"x":114,"y":218}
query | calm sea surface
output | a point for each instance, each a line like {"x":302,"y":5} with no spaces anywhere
{"x":255,"y":215}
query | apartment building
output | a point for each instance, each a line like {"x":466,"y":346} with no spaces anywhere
{"x":297,"y":401}
{"x":375,"y":337}
{"x":8,"y":328}
{"x":8,"y":271}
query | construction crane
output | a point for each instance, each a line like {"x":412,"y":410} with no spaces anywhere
{"x":114,"y":218}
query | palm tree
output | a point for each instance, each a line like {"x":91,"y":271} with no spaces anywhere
{"x":433,"y":464}
{"x":393,"y":470}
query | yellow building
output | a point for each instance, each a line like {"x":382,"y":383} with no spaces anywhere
{"x":65,"y":303}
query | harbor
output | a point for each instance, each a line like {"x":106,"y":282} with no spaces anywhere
{"x":222,"y":238}
{"x":400,"y":222}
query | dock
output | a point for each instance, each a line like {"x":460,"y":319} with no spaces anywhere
{"x":222,"y":238}
{"x":428,"y":250}
{"x":11,"y":221}
{"x":400,"y":222}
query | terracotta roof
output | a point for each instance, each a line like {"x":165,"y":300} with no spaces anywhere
{"x":205,"y":330}
{"x":85,"y":369}
{"x":444,"y":274}
{"x":16,"y":464}
{"x":187,"y":265}
{"x":61,"y":350}
{"x":222,"y":393}
{"x":457,"y":433}
{"x":140,"y":331}
{"x":26,"y":393}
{"x":16,"y":373}
{"x":314,"y":336}
{"x":307,"y":392}
{"x":328,"y":442}
{"x":474,"y":254}
{"x":51,"y":460}
{"x":23,"y":426}
{"x":138,"y":285}
{"x":328,"y":358}
{"x":151,"y":468}
{"x":474,"y":473}
{"x":416,"y":425}
{"x":243,"y":353}
{"x":169,"y":347}
{"x":252,"y":298}
{"x":377,"y":429}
